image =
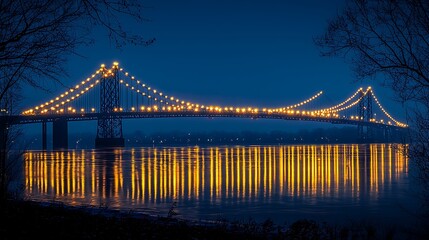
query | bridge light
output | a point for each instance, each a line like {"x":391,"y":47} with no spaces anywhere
{"x":77,"y":86}
{"x":142,"y":108}
{"x":133,"y":109}
{"x":74,"y":110}
{"x":138,"y":81}
{"x":115,"y":64}
{"x":120,"y":109}
{"x":102,"y":65}
{"x":92,"y":109}
{"x":82,"y":110}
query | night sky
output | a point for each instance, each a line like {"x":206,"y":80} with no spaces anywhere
{"x":258,"y":53}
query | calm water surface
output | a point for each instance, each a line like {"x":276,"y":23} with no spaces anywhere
{"x":333,"y":183}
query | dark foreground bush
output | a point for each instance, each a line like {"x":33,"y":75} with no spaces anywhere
{"x":25,"y":220}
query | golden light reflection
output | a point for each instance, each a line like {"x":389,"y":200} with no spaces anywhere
{"x":251,"y":173}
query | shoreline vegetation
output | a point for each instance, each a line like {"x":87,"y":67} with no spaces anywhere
{"x":24,"y":219}
{"x":334,"y":135}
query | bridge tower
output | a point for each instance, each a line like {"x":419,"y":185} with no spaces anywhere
{"x":365,"y":113}
{"x":109,"y":129}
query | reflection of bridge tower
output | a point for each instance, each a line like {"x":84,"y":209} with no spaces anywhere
{"x":109,"y":130}
{"x":364,"y":111}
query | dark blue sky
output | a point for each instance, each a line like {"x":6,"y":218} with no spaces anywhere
{"x":257,"y":52}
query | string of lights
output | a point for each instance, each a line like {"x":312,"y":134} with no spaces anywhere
{"x":135,"y":89}
{"x":303,"y":102}
{"x":360,"y":90}
{"x":385,"y":112}
{"x":66,"y":97}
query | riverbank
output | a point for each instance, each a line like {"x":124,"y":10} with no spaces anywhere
{"x":27,"y":219}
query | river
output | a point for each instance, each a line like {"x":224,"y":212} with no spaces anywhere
{"x":283,"y":183}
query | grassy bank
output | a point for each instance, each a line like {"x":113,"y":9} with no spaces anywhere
{"x":25,"y":219}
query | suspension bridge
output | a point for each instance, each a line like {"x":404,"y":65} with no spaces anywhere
{"x":110,"y":95}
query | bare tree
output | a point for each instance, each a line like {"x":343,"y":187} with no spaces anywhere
{"x":38,"y":36}
{"x":389,"y":40}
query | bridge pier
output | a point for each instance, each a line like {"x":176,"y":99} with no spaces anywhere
{"x":60,"y":134}
{"x":44,"y":142}
{"x":365,"y":133}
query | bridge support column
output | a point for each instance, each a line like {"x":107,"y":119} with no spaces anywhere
{"x":44,"y":142}
{"x":364,"y":111}
{"x":109,"y":129}
{"x":387,"y":134}
{"x":60,"y":134}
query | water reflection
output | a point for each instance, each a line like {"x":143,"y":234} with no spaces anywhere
{"x":226,"y":176}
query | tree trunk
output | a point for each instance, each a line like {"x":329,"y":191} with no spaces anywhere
{"x":3,"y":156}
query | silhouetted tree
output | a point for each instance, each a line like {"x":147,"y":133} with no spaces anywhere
{"x":389,"y":40}
{"x":38,"y":36}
